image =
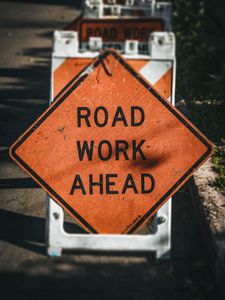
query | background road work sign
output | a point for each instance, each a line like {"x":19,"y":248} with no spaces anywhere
{"x":111,"y":150}
{"x":115,"y":32}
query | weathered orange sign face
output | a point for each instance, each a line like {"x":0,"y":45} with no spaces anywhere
{"x":111,"y":150}
{"x":67,"y":73}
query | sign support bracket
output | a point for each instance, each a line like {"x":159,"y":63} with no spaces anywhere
{"x":58,"y":239}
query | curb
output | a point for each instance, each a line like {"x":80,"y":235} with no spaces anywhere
{"x":209,"y":203}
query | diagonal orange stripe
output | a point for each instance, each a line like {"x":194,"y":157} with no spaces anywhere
{"x":164,"y":84}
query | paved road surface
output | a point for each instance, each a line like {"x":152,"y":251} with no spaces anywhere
{"x":25,"y":270}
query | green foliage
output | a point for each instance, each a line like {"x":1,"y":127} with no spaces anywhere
{"x":201,"y":51}
{"x":200,"y":33}
{"x":219,"y":164}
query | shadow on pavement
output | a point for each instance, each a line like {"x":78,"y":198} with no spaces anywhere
{"x":27,"y":231}
{"x":74,"y":3}
{"x":91,"y":278}
{"x":185,"y":276}
{"x":23,"y":101}
{"x":22,"y":230}
{"x":15,"y":183}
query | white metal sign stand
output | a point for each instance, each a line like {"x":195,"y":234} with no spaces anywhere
{"x":159,"y":59}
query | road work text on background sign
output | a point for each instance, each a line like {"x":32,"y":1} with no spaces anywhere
{"x":111,"y":150}
{"x":114,"y":32}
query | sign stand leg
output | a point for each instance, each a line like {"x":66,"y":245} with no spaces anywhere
{"x":57,"y":239}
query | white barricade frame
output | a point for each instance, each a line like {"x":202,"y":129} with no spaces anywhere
{"x":161,"y":53}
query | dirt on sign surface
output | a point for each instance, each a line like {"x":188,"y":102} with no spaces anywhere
{"x":111,"y":150}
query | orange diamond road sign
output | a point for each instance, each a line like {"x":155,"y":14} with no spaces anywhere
{"x":111,"y":150}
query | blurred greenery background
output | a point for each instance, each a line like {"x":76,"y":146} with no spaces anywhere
{"x":199,"y":26}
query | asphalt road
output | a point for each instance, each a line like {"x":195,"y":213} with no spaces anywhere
{"x":25,"y":270}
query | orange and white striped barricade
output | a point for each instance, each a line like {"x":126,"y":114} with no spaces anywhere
{"x":158,"y":66}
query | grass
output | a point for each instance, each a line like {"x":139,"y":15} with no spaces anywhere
{"x":200,"y":33}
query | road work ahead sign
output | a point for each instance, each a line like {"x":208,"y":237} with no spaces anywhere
{"x":114,"y":32}
{"x":111,"y":150}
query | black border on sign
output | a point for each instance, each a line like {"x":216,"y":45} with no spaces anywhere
{"x":101,"y":21}
{"x":73,"y":79}
{"x":64,"y":97}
